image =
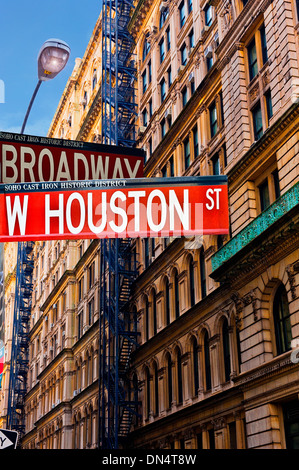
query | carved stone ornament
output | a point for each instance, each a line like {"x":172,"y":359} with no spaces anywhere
{"x":291,"y":278}
{"x":226,"y":16}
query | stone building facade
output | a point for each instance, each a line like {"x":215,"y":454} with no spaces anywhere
{"x":217,"y":362}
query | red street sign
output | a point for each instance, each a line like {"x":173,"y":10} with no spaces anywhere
{"x":30,"y":159}
{"x":142,"y":207}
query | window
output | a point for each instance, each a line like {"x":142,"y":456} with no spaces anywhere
{"x":80,"y":324}
{"x":195,"y":141}
{"x":192,"y":284}
{"x":179,"y":376}
{"x":94,"y":79}
{"x":150,"y":147}
{"x":150,"y":72}
{"x":146,"y":320}
{"x":90,"y":311}
{"x":226,"y":350}
{"x":146,"y":253}
{"x":207,"y":365}
{"x":252,"y":59}
{"x":276,"y":183}
{"x":216,"y":164}
{"x":282,"y":324}
{"x":150,"y":105}
{"x":144,"y":82}
{"x":209,"y":62}
{"x":156,"y":384}
{"x":163,"y":128}
{"x":192,"y":87}
{"x":169,"y":75}
{"x":167,"y":302}
{"x":264,"y":195}
{"x":202,"y":275}
{"x":163,"y":16}
{"x":191,"y":39}
{"x":257,"y":121}
{"x":169,"y":380}
{"x":195,"y":366}
{"x":297,"y":8}
{"x":291,"y":423}
{"x":190,"y":6}
{"x":182,"y":14}
{"x":184,"y":55}
{"x":208,"y":15}
{"x":184,"y":96}
{"x":148,"y":392}
{"x":162,"y":50}
{"x":144,"y":117}
{"x":163,"y":90}
{"x":146,"y":47}
{"x":264,"y":44}
{"x":269,"y":109}
{"x":168,"y":40}
{"x":213,"y":119}
{"x":91,"y":274}
{"x":80,"y":289}
{"x":176,"y":295}
{"x":154,"y":311}
{"x":171,"y":161}
{"x":187,"y":152}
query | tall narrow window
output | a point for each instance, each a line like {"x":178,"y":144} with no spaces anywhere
{"x":162,"y":50}
{"x":146,"y":47}
{"x":195,"y":366}
{"x":148,"y":393}
{"x":163,"y":16}
{"x":167,"y":302}
{"x":264,"y":44}
{"x":282,"y":324}
{"x":184,"y":96}
{"x":146,"y":253}
{"x":156,"y":378}
{"x":202,"y":275}
{"x":163,"y":90}
{"x":192,"y":284}
{"x":187,"y":153}
{"x":179,"y":377}
{"x":257,"y":121}
{"x":149,"y":66}
{"x":182,"y":14}
{"x":146,"y":320}
{"x":168,"y":38}
{"x":144,"y":82}
{"x":216,"y":164}
{"x":269,"y":109}
{"x":163,"y":128}
{"x":169,"y":380}
{"x":207,"y":364}
{"x":208,"y":15}
{"x":264,"y":195}
{"x":226,"y":350}
{"x":191,"y":39}
{"x":176,"y":295}
{"x":195,"y":141}
{"x":252,"y":59}
{"x":154,"y":310}
{"x":213,"y":119}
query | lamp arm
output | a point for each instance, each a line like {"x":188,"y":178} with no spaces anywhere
{"x":30,"y":105}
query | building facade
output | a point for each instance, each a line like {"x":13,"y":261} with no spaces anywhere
{"x":217,"y":362}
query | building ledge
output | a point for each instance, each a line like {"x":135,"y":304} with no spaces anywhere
{"x":266,"y":220}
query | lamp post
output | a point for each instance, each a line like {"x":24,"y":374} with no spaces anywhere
{"x":52,"y":58}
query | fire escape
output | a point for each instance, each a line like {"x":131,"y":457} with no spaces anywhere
{"x":118,"y":324}
{"x":20,"y":338}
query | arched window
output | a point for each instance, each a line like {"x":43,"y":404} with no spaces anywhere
{"x":282,"y":324}
{"x":169,"y":380}
{"x":146,"y":47}
{"x":202,"y":275}
{"x":154,"y":311}
{"x":146,"y":319}
{"x":176,"y":294}
{"x":167,"y":301}
{"x":179,"y":376}
{"x":195,"y":365}
{"x":156,"y":384}
{"x":163,"y":17}
{"x":191,"y":280}
{"x":226,"y":350}
{"x":148,"y":392}
{"x":207,"y":365}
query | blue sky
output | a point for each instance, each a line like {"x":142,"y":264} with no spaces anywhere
{"x":24,"y":27}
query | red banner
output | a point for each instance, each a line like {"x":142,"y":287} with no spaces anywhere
{"x":149,"y":207}
{"x":25,"y":158}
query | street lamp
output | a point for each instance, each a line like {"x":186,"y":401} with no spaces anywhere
{"x":52,"y":58}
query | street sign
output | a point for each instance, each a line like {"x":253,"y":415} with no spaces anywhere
{"x":121,"y":208}
{"x":8,"y":439}
{"x":31,"y":159}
